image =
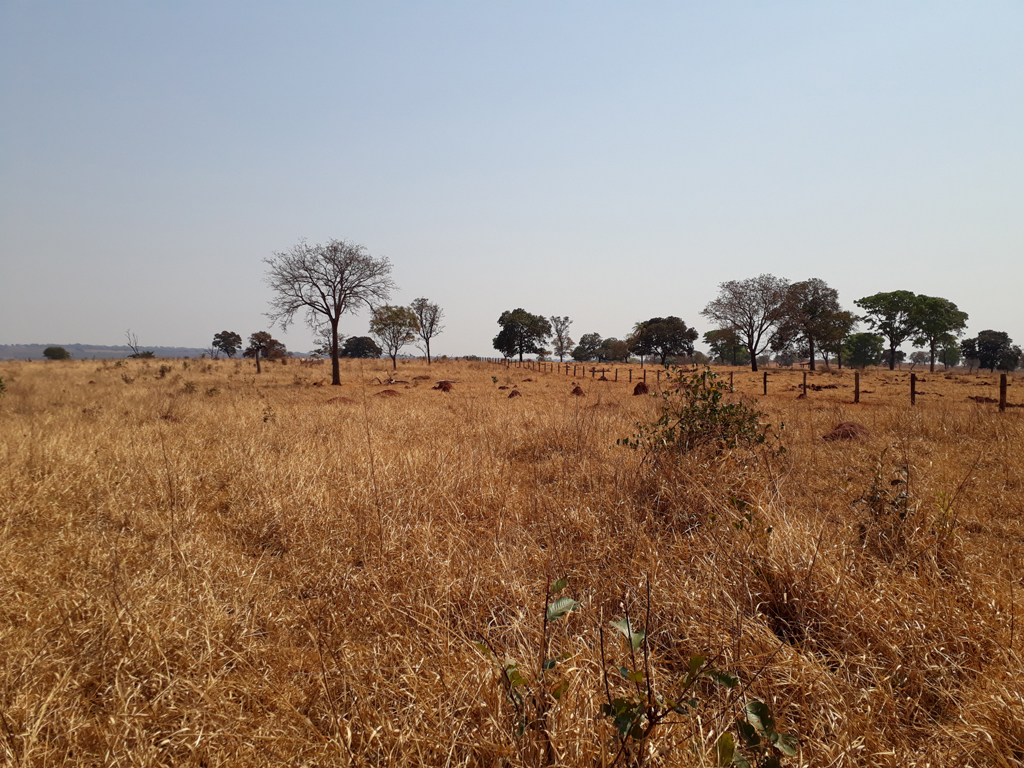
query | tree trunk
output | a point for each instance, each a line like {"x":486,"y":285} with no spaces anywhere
{"x":753,"y":359}
{"x":932,"y":369}
{"x":810,"y":343}
{"x":257,"y":360}
{"x":394,"y":361}
{"x":892,"y":358}
{"x":335,"y":365}
{"x":427,"y":342}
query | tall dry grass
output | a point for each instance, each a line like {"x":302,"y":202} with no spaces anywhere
{"x":209,"y":567}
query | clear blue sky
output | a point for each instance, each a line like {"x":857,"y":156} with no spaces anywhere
{"x":610,"y":162}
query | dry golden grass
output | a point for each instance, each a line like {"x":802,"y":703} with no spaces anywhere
{"x":213,"y":568}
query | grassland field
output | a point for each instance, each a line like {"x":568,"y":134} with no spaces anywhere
{"x":201,"y":566}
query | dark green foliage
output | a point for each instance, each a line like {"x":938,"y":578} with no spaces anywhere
{"x":938,"y":323}
{"x":56,"y":353}
{"x":992,"y":350}
{"x":863,"y":349}
{"x":360,"y":346}
{"x":812,"y":318}
{"x":613,"y":351}
{"x":227,"y":342}
{"x":662,"y":337}
{"x":727,"y":347}
{"x":894,"y":315}
{"x":263,"y":345}
{"x":588,"y":347}
{"x":697,"y":415}
{"x":521,"y":333}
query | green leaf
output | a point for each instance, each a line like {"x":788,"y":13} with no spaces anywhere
{"x":760,"y":716}
{"x":748,"y":733}
{"x":559,"y":690}
{"x":483,"y":647}
{"x":724,"y":750}
{"x":559,"y":585}
{"x":558,"y":608}
{"x":635,"y":639}
{"x":550,"y":664}
{"x":740,"y":761}
{"x":696,"y":662}
{"x":788,"y":744}
{"x":722,"y":678}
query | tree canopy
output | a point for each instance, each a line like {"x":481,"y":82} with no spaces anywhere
{"x":428,"y":319}
{"x":809,"y":318}
{"x":56,"y":353}
{"x":362,"y":347}
{"x":663,"y":337}
{"x":992,"y":350}
{"x":753,"y":308}
{"x":726,"y":346}
{"x":326,"y":281}
{"x":262,"y":344}
{"x":863,"y":349}
{"x":227,"y":342}
{"x":587,"y":349}
{"x":938,"y":322}
{"x":393,"y":327}
{"x":521,"y":333}
{"x":561,"y":340}
{"x":893,"y":315}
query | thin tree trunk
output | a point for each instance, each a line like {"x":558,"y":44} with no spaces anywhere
{"x":932,"y":369}
{"x":428,"y":351}
{"x":892,"y":358}
{"x":810,"y":343}
{"x":753,"y":359}
{"x":335,"y":365}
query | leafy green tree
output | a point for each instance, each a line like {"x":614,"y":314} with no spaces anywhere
{"x":560,"y":331}
{"x":950,"y":353}
{"x":863,"y":349}
{"x":56,"y":353}
{"x":726,"y":347}
{"x":227,"y":342}
{"x":834,"y":333}
{"x":810,"y":310}
{"x":262,"y":344}
{"x":393,"y":327}
{"x":938,"y":322}
{"x":362,"y":347}
{"x":753,"y":308}
{"x":894,"y":315}
{"x":521,"y":333}
{"x":428,"y":317}
{"x":613,"y":350}
{"x":326,"y":281}
{"x":663,"y":337}
{"x":992,"y":350}
{"x":587,"y":349}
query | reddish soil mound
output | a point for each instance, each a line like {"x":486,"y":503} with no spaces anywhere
{"x":388,"y":393}
{"x":527,"y":379}
{"x":515,"y":393}
{"x":421,"y":378}
{"x":578,"y":391}
{"x":603,"y":378}
{"x":641,"y":389}
{"x":502,"y":387}
{"x":443,"y":386}
{"x":848,"y":430}
{"x":341,"y":400}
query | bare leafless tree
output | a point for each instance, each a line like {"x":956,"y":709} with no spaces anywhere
{"x":753,"y":308}
{"x":429,"y":316}
{"x":560,"y":331}
{"x":327,"y":281}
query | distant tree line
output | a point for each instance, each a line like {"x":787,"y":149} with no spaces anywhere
{"x":768,"y":318}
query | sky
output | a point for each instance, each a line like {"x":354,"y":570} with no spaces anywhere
{"x":607,"y":161}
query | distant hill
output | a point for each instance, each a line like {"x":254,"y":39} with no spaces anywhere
{"x":90,"y":351}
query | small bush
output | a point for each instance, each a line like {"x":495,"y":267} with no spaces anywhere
{"x":696,"y":416}
{"x":56,"y":353}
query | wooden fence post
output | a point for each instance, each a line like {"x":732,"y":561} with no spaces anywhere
{"x":805,"y":383}
{"x":731,"y":387}
{"x":1002,"y":392}
{"x":766,"y":382}
{"x":856,"y":386}
{"x":913,"y":388}
{"x":630,"y":375}
{"x":645,"y":375}
{"x":658,"y":372}
{"x":616,"y":374}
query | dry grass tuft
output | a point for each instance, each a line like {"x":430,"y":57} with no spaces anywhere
{"x":251,"y":577}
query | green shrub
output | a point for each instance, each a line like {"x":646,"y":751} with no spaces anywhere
{"x":56,"y":353}
{"x":695,"y":415}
